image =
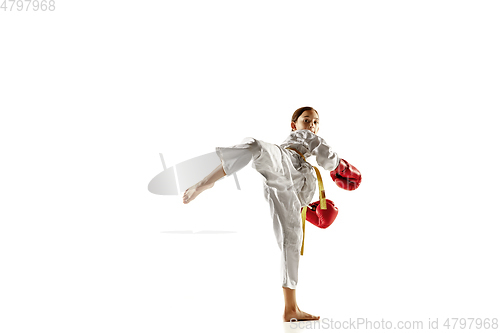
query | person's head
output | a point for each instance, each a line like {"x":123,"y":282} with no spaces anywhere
{"x":305,"y":118}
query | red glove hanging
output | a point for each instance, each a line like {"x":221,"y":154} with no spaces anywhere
{"x":346,"y":176}
{"x":322,"y":218}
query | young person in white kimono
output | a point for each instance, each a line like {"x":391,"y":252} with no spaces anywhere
{"x":289,"y":185}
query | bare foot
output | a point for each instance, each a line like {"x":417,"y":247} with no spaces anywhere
{"x":298,"y":315}
{"x":194,"y":191}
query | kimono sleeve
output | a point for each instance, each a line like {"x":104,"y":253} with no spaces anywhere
{"x":325,"y":156}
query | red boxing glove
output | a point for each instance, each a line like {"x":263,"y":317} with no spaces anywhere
{"x":346,"y":176}
{"x":322,"y":218}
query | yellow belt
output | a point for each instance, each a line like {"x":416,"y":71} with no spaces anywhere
{"x":322,"y":201}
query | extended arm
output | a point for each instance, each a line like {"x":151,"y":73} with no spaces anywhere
{"x":345,"y":175}
{"x":325,"y":156}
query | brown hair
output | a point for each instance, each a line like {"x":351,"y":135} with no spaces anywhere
{"x":301,"y":110}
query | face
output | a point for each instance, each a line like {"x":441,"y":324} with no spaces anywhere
{"x":308,"y":120}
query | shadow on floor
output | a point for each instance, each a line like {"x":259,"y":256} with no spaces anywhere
{"x":191,"y":232}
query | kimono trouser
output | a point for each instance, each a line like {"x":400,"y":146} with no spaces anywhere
{"x":285,"y":178}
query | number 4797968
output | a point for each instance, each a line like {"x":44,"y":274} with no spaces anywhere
{"x":28,"y":5}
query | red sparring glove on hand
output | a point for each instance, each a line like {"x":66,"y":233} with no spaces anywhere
{"x":346,"y":176}
{"x":322,"y":218}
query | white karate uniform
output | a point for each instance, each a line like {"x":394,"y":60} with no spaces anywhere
{"x":289,"y":184}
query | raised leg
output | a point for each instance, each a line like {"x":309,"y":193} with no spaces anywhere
{"x":204,"y":184}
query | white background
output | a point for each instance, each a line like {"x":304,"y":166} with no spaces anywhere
{"x":91,"y":93}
